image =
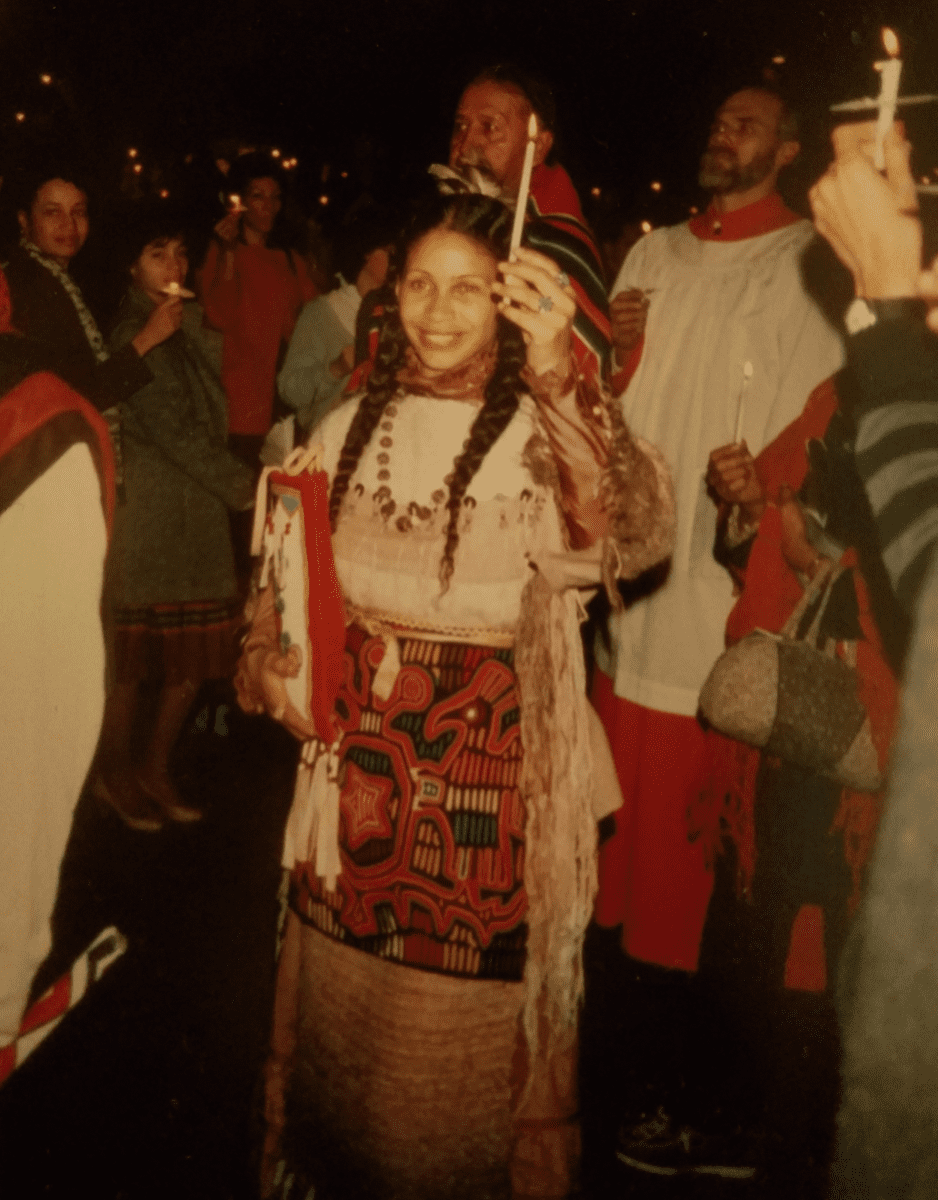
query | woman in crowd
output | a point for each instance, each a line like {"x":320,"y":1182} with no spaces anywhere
{"x":171,"y":584}
{"x":48,"y":306}
{"x":424,"y":1040}
{"x":322,"y":350}
{"x":253,"y":285}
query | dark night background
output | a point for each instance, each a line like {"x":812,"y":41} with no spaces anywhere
{"x":370,"y":85}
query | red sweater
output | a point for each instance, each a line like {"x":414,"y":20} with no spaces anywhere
{"x":256,"y":310}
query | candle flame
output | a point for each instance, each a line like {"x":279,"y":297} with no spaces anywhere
{"x":532,"y":127}
{"x":647,"y":226}
{"x":890,"y":43}
{"x":21,"y":116}
{"x":656,"y":187}
{"x":45,"y":78}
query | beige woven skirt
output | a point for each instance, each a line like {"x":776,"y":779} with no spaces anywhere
{"x":401,"y":1078}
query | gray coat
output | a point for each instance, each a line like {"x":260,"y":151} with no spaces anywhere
{"x":171,"y":540}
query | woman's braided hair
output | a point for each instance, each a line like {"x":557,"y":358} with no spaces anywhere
{"x":487,"y":222}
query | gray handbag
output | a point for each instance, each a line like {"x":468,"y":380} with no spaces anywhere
{"x":795,"y":700}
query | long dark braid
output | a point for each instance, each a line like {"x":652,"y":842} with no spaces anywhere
{"x":501,"y":404}
{"x":381,"y":387}
{"x":487,"y":222}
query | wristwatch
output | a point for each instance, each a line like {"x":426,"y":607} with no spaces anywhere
{"x":862,"y":314}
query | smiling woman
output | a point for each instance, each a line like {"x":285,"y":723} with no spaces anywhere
{"x":445,"y":299}
{"x":440,"y":1059}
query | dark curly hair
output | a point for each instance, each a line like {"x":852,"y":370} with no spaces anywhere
{"x":487,"y":222}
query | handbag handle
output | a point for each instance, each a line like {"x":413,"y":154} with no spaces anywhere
{"x":824,"y":579}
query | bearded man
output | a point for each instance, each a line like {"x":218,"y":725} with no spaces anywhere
{"x":712,"y":330}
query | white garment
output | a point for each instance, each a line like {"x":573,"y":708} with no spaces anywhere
{"x":52,"y":548}
{"x":387,"y":560}
{"x":714,"y":306}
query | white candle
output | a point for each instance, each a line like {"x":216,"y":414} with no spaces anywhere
{"x":525,"y":186}
{"x":741,"y":403}
{"x":890,"y":70}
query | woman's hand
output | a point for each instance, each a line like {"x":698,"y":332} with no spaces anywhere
{"x":731,"y":472}
{"x":344,"y":363}
{"x":796,"y":549}
{"x":271,"y":691}
{"x":161,"y":324}
{"x":229,"y":227}
{"x":537,"y":296}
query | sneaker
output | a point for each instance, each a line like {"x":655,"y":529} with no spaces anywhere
{"x":660,"y":1147}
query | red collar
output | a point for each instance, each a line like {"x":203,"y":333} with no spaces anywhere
{"x":765,"y":216}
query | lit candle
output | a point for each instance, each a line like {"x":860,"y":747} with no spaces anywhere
{"x":741,"y":404}
{"x":890,"y":70}
{"x":525,"y":187}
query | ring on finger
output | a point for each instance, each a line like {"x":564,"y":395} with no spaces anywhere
{"x":544,"y":303}
{"x":563,"y":279}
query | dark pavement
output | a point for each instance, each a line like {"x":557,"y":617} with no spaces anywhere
{"x":149,"y":1088}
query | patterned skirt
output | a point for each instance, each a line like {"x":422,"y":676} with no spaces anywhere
{"x":192,"y":640}
{"x":431,"y":818}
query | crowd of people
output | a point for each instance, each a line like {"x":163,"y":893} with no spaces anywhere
{"x":381,"y":511}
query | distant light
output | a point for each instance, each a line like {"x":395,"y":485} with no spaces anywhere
{"x":779,"y":59}
{"x":647,"y":227}
{"x":596,"y":191}
{"x":131,"y":153}
{"x":45,"y":78}
{"x":164,"y":194}
{"x":188,"y":159}
{"x":345,"y":174}
{"x":693,"y":209}
{"x":21,"y":116}
{"x":275,"y":154}
{"x":138,"y":167}
{"x":323,"y":199}
{"x":926,"y":179}
{"x":656,"y":187}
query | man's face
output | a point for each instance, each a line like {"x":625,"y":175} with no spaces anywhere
{"x":490,"y":132}
{"x":744,"y":147}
